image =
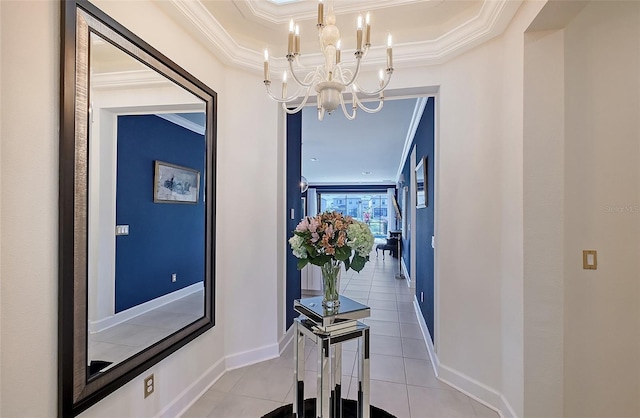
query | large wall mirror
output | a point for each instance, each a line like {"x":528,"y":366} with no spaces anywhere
{"x":137,"y":201}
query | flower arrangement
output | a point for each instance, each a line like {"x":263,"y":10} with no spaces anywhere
{"x":330,"y":237}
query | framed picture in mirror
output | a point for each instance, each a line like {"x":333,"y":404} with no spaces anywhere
{"x":421,"y":183}
{"x":175,"y":184}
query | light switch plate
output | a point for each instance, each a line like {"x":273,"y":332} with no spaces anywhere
{"x":590,"y":259}
{"x":122,"y":230}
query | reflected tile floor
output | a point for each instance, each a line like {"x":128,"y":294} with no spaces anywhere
{"x":121,"y":341}
{"x":402,"y":378}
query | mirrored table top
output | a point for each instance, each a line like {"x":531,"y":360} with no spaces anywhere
{"x":348,"y":310}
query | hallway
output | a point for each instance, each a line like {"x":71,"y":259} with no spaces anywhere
{"x":402,"y":378}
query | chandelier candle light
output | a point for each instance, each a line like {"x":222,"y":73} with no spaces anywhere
{"x":331,"y":79}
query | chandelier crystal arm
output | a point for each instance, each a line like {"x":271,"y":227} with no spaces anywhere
{"x":382,"y":87}
{"x":351,"y":116}
{"x":300,"y":106}
{"x":286,"y":99}
{"x":357,"y":102}
{"x":356,"y":72}
{"x":309,"y":81}
{"x":370,"y":110}
{"x":297,"y":109}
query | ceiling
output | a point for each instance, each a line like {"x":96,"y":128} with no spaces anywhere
{"x":425,"y":32}
{"x":347,"y":150}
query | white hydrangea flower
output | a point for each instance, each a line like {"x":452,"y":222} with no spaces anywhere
{"x":297,"y":245}
{"x":360,"y":238}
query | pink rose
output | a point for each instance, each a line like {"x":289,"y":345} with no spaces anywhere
{"x":303,"y":225}
{"x":313,"y":225}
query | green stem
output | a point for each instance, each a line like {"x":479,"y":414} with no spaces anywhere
{"x":331,"y":282}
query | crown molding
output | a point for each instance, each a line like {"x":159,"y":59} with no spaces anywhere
{"x":183,"y":122}
{"x":206,"y":28}
{"x":281,"y":13}
{"x":127,"y":79}
{"x":491,"y":21}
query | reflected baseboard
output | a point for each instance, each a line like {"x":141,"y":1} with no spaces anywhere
{"x":308,"y":293}
{"x":120,"y":317}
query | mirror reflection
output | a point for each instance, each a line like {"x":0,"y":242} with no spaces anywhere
{"x":146,"y":207}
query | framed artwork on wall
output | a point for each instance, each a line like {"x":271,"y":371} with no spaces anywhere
{"x":405,"y":205}
{"x":421,"y":183}
{"x":175,"y":184}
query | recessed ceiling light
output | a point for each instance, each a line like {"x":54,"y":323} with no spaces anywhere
{"x":314,"y":159}
{"x":366,"y":173}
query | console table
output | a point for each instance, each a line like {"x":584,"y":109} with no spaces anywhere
{"x":329,"y":329}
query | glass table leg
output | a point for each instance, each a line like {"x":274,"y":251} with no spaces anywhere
{"x":298,"y":372}
{"x":336,"y":374}
{"x":324,"y":377}
{"x":363,"y":375}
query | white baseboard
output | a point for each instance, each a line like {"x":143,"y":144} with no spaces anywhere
{"x":235,"y":361}
{"x":191,"y":394}
{"x":249,"y":357}
{"x":435,"y":362}
{"x":286,"y":339}
{"x":405,"y":272}
{"x":478,"y":391}
{"x":120,"y":317}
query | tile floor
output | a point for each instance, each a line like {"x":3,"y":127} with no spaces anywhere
{"x":402,"y":378}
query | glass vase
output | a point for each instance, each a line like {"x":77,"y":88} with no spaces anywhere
{"x":331,"y":284}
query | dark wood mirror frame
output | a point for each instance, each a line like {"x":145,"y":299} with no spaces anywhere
{"x":76,"y":391}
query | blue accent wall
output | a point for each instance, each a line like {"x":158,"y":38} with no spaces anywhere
{"x":294,"y":172}
{"x":423,"y":224}
{"x":164,"y":238}
{"x":406,"y":242}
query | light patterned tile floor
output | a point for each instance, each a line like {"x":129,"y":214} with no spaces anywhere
{"x":402,"y":378}
{"x":123,"y":340}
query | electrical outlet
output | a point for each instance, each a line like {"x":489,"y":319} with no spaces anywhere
{"x":174,"y":277}
{"x":421,"y":297}
{"x":149,"y":385}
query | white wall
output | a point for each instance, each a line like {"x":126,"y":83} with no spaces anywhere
{"x":0,"y":206}
{"x":482,"y":220}
{"x":479,"y":220}
{"x":248,"y":187}
{"x":246,"y":262}
{"x":513,"y":291}
{"x":602,"y":211}
{"x":29,"y":196}
{"x":544,"y":223}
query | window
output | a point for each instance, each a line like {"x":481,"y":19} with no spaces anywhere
{"x":368,"y":208}
{"x":380,"y":212}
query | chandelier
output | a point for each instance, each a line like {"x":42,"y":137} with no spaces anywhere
{"x":334,"y":78}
